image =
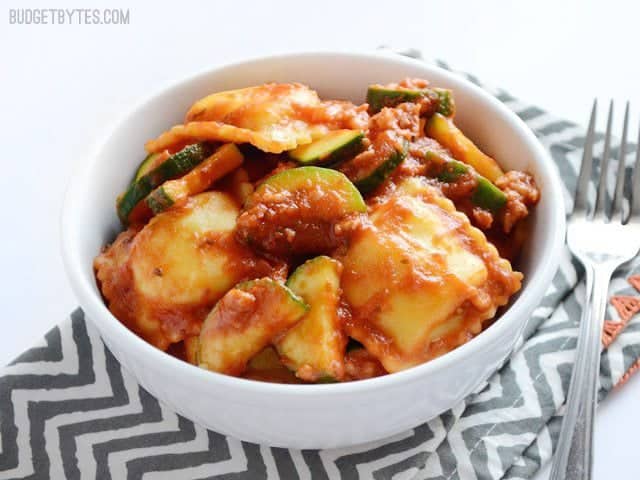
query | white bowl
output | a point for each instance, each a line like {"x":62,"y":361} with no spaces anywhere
{"x":309,"y":416}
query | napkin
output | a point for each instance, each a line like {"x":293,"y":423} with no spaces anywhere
{"x":69,"y":410}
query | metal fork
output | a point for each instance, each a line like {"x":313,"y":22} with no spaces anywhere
{"x":602,"y":239}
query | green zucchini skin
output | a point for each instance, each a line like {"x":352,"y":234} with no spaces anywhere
{"x":380,"y":97}
{"x":317,"y":282}
{"x":319,"y":267}
{"x":295,"y":301}
{"x":486,"y":195}
{"x":332,"y":149}
{"x":159,"y":200}
{"x":452,"y":170}
{"x":447,"y":134}
{"x":277,"y":309}
{"x":446,"y":105}
{"x":324,"y":198}
{"x":367,"y":182}
{"x":176,"y":165}
{"x":299,"y":179}
{"x":327,"y":379}
{"x":146,"y":166}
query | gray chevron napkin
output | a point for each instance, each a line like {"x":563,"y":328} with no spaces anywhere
{"x":68,"y":410}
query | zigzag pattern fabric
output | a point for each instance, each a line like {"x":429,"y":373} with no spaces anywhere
{"x":68,"y":410}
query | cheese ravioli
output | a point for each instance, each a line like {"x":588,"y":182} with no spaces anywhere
{"x":163,"y":280}
{"x":420,"y":279}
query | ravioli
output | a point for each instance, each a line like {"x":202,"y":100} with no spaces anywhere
{"x":420,"y":279}
{"x":272,"y":117}
{"x":389,"y":273}
{"x":163,"y":280}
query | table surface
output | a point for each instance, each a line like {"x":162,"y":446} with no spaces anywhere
{"x":63,"y":85}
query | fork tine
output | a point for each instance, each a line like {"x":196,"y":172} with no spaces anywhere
{"x":616,"y":209}
{"x":582,"y":187}
{"x":634,"y":207}
{"x":601,"y":197}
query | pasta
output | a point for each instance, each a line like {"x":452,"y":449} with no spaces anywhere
{"x":277,"y":236}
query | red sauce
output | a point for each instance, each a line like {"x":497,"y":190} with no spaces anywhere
{"x":522,"y":193}
{"x":276,"y":231}
{"x":292,"y":223}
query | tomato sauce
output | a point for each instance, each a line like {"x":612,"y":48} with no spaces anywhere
{"x":273,"y":231}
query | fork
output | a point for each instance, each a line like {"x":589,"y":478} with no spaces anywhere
{"x":602,"y":239}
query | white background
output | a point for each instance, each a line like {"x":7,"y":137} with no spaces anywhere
{"x":62,"y":86}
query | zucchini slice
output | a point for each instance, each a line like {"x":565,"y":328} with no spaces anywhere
{"x":450,"y":170}
{"x":336,"y":146}
{"x":176,"y":165}
{"x":174,"y":193}
{"x":302,"y":179}
{"x":267,"y":367}
{"x":486,"y":195}
{"x":267,"y":359}
{"x":379,"y":97}
{"x":150,"y":162}
{"x":295,"y":212}
{"x":314,"y":348}
{"x":244,"y":322}
{"x":446,"y":105}
{"x":449,"y":136}
{"x":369,"y":175}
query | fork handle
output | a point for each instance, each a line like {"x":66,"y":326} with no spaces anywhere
{"x":574,"y":455}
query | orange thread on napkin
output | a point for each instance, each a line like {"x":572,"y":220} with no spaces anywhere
{"x":625,"y":378}
{"x":626,"y":306}
{"x":634,"y":280}
{"x":610,"y":331}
